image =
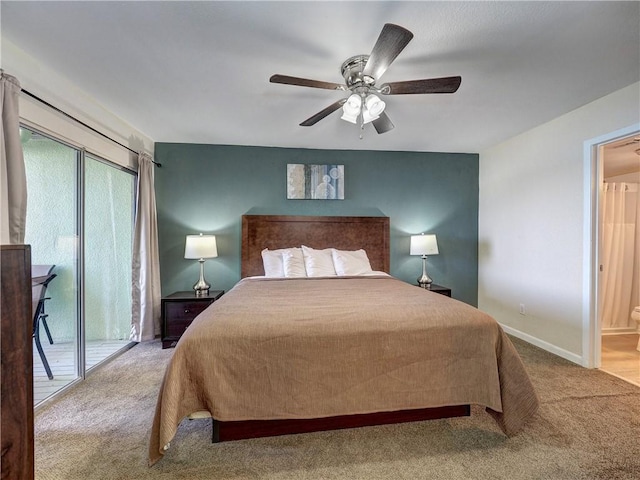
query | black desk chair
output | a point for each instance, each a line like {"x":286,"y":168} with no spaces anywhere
{"x":41,"y":276}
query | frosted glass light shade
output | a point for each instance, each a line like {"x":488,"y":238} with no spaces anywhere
{"x":349,"y":118}
{"x":374,"y":105}
{"x":351,"y":108}
{"x":367,"y":117}
{"x":352,"y":105}
{"x":200,"y":246}
{"x":423,"y":245}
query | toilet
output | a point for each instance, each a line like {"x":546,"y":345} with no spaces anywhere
{"x":635,"y":315}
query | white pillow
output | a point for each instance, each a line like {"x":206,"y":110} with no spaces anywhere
{"x":272,"y":262}
{"x":318,"y":263}
{"x":351,"y":262}
{"x":293,"y":263}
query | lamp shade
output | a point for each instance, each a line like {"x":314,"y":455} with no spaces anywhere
{"x":424,"y":245}
{"x":200,"y":246}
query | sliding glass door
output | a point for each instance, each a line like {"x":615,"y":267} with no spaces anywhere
{"x":52,"y":227}
{"x":80,"y":214}
{"x":108,"y":238}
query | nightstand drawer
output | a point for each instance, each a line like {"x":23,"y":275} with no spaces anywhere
{"x":178,"y":311}
{"x":181,"y":315}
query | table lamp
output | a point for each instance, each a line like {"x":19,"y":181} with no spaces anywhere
{"x":424,"y":245}
{"x":201,"y":247}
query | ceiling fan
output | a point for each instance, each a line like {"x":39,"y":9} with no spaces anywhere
{"x":361,"y":72}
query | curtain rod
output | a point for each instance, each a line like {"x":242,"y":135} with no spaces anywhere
{"x":81,"y":123}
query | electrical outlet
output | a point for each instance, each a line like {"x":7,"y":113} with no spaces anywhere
{"x":523,"y":311}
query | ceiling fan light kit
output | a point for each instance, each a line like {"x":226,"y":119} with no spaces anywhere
{"x":360,"y":74}
{"x":367,"y":111}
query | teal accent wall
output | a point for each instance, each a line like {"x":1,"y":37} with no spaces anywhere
{"x":207,"y":188}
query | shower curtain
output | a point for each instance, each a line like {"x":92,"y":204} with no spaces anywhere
{"x":620,"y":255}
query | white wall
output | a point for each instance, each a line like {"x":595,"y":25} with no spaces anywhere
{"x":532,"y":220}
{"x":59,"y":91}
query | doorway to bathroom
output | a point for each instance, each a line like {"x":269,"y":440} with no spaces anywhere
{"x":619,"y":256}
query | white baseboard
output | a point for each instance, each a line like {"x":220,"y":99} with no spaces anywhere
{"x":549,"y":347}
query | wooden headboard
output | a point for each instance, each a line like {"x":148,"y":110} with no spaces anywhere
{"x":283,"y":231}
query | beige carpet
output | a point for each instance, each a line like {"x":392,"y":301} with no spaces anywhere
{"x":588,"y":428}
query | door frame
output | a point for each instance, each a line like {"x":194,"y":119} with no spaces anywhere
{"x":593,"y":173}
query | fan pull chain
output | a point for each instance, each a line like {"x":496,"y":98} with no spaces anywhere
{"x":361,"y":117}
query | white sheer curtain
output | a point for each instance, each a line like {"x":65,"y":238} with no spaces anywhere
{"x":13,"y":180}
{"x":620,"y":255}
{"x":145,"y":318}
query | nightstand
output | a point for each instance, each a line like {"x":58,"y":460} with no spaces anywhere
{"x":439,"y":289}
{"x":178,"y":311}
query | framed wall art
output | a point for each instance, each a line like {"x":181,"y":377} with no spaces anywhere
{"x":315,"y":182}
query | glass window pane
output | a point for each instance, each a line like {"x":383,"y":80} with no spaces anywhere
{"x":108,"y":228}
{"x":51,"y":230}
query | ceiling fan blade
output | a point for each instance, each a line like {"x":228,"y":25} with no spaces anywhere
{"x":304,"y":82}
{"x":323,"y":113}
{"x":429,"y":85}
{"x":390,"y":43}
{"x":383,"y":123}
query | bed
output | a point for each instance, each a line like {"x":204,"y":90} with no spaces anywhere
{"x":280,"y":354}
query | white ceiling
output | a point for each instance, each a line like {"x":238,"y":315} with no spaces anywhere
{"x":198,"y":72}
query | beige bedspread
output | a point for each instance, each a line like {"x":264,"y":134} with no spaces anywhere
{"x":310,"y":348}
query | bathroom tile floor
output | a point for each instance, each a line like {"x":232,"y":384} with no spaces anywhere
{"x":620,"y":357}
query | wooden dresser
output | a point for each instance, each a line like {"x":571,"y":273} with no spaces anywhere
{"x":16,"y":424}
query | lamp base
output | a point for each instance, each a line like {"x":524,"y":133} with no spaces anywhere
{"x":201,"y":292}
{"x":201,"y":287}
{"x":424,"y":281}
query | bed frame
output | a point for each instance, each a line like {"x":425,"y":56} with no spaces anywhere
{"x":345,"y":233}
